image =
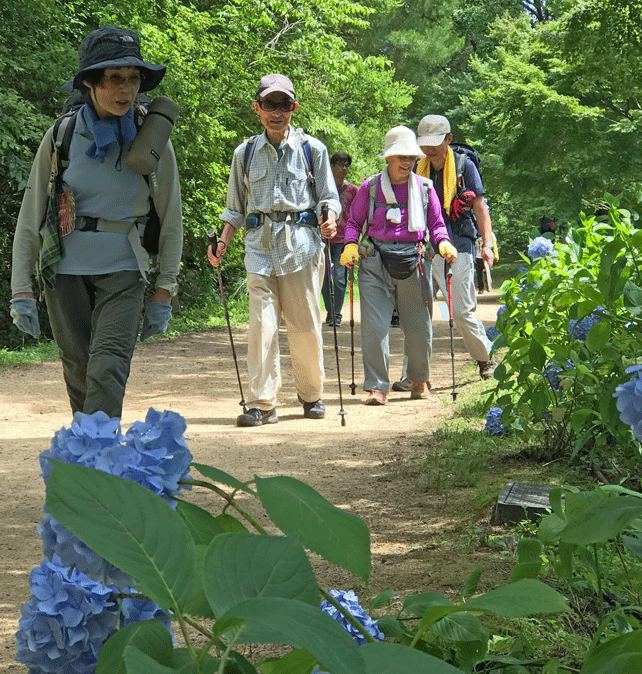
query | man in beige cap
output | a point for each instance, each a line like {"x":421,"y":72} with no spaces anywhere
{"x":461,"y":193}
{"x":279,"y":182}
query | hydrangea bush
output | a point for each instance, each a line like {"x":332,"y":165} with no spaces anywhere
{"x":73,"y":608}
{"x":569,"y":334}
{"x":223,"y":577}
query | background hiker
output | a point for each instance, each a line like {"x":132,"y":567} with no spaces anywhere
{"x":339,"y":163}
{"x":92,"y":262}
{"x":397,"y":209}
{"x":278,"y":183}
{"x":460,"y":190}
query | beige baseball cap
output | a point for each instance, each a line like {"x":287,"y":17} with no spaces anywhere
{"x":432,"y":130}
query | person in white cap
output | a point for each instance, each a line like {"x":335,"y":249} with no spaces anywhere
{"x":461,"y":193}
{"x":394,"y":212}
{"x":277,"y":189}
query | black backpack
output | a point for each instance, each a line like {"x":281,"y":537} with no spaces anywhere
{"x":63,"y":130}
{"x":467,"y":150}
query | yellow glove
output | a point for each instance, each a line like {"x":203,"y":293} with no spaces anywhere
{"x":350,"y":255}
{"x":447,"y":251}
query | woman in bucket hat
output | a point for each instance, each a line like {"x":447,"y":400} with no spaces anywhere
{"x":395,"y":212}
{"x":90,"y":257}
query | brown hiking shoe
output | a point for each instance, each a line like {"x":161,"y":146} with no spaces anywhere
{"x":418,"y":390}
{"x":487,"y":368}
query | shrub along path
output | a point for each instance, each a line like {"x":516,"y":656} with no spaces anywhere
{"x":359,"y":466}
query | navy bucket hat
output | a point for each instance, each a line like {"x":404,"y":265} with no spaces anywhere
{"x":114,"y":47}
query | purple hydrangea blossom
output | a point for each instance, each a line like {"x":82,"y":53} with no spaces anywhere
{"x":540,"y":246}
{"x":350,"y":601}
{"x":152,"y":453}
{"x":629,"y":401}
{"x":580,"y":329}
{"x":65,"y":623}
{"x":494,"y":426}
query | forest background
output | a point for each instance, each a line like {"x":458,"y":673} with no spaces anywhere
{"x":548,"y":92}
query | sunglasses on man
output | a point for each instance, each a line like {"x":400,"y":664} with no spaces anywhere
{"x":270,"y":106}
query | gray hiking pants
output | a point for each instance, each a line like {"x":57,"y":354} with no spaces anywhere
{"x":94,"y":320}
{"x":413,"y":297}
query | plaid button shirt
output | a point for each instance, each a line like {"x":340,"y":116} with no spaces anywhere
{"x":278,"y":183}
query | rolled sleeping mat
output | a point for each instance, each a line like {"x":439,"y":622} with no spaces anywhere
{"x":152,"y":137}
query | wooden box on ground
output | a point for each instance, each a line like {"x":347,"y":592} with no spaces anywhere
{"x":518,"y":501}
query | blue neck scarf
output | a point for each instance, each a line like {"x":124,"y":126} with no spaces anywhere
{"x":107,"y":130}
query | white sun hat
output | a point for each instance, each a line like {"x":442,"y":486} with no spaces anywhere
{"x":401,"y":141}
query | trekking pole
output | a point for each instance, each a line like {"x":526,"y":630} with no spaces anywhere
{"x":449,"y":281}
{"x":353,"y":386}
{"x":342,"y":412}
{"x":211,"y":234}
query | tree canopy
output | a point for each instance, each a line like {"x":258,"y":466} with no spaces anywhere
{"x":548,"y":92}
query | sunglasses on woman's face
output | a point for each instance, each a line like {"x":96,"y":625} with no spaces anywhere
{"x":270,"y":106}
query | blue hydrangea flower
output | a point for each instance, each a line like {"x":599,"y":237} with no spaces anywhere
{"x":494,"y":426}
{"x":59,"y":542}
{"x":552,"y":372}
{"x":65,"y":623}
{"x":163,"y":456}
{"x":540,"y":247}
{"x":500,"y":312}
{"x":152,"y":453}
{"x":580,"y":329}
{"x":492,"y":332}
{"x":350,"y":601}
{"x":135,"y":609}
{"x":629,"y":401}
{"x":522,"y":269}
{"x":88,"y":437}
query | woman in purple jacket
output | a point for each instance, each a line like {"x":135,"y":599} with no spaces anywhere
{"x":395,"y":213}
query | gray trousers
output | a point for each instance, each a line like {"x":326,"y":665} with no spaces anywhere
{"x":94,"y":320}
{"x":379,"y":293}
{"x":471,"y":329}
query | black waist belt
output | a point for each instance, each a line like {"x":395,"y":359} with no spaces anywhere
{"x":306,"y":218}
{"x":89,"y":224}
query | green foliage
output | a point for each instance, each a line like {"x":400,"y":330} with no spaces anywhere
{"x":597,"y":273}
{"x":237,"y":587}
{"x":591,"y":543}
{"x":215,"y":56}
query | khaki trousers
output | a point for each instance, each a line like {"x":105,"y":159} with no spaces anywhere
{"x":295,"y":297}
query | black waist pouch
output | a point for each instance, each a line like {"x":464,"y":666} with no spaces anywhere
{"x":400,"y":258}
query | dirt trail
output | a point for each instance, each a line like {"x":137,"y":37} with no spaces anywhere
{"x":352,"y":465}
